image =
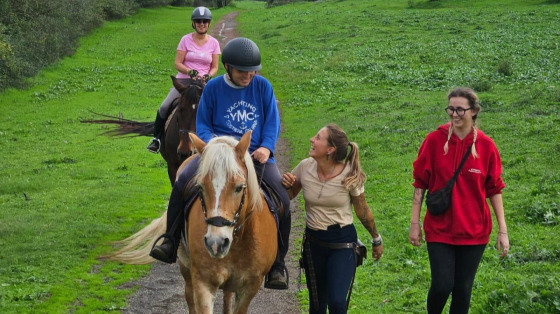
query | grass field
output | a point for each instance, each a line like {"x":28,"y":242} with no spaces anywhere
{"x":380,"y":69}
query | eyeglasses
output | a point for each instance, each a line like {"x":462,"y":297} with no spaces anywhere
{"x":202,"y":21}
{"x":460,"y":111}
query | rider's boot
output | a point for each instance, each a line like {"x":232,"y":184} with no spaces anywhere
{"x":277,"y":278}
{"x":167,"y":251}
{"x":158,"y":130}
{"x":164,"y":252}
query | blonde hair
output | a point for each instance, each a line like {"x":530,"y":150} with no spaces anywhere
{"x":472,"y":98}
{"x":338,"y":139}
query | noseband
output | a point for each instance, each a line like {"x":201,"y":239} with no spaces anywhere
{"x":220,"y":221}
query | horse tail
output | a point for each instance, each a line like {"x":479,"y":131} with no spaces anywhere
{"x":136,"y":248}
{"x":125,"y":126}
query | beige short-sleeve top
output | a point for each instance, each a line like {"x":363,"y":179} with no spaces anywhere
{"x":334,"y":205}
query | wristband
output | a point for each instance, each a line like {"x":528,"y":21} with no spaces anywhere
{"x":377,"y":241}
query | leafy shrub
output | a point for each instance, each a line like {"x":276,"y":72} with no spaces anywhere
{"x":481,"y":86}
{"x":8,"y":69}
{"x":153,"y":3}
{"x":533,"y":295}
{"x":544,"y":212}
{"x":34,"y":34}
{"x":116,"y":9}
{"x":505,"y":67}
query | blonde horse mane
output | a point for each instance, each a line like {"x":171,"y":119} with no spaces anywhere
{"x":224,"y":157}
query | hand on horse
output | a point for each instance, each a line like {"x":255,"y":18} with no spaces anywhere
{"x":261,"y":154}
{"x":288,"y":180}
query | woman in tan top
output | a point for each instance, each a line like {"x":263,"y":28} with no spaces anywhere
{"x":332,"y":182}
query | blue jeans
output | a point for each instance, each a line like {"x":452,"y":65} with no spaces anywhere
{"x":333,"y":269}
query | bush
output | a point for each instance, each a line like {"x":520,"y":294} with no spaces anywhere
{"x":34,"y":34}
{"x":8,"y":69}
{"x":153,"y":3}
{"x":481,"y":86}
{"x":116,"y":9}
{"x":505,"y":68}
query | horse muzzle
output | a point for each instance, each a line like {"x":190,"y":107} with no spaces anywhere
{"x":218,"y":241}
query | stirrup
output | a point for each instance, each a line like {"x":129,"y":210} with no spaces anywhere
{"x":152,"y":148}
{"x":169,"y":259}
{"x":269,"y":283}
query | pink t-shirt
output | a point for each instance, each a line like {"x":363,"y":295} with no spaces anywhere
{"x":198,"y":57}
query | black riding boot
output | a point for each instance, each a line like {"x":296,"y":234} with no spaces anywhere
{"x":159,"y":125}
{"x":277,"y":278}
{"x":167,"y":251}
{"x":179,"y":199}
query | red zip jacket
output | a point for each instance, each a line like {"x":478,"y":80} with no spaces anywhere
{"x":468,"y":221}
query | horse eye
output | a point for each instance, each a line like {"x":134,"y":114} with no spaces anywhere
{"x":239,"y":188}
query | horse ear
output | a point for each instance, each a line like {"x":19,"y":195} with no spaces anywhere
{"x":178,"y":86}
{"x":243,"y":144}
{"x":198,"y":143}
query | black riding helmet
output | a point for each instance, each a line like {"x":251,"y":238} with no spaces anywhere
{"x":242,"y":54}
{"x":201,"y":13}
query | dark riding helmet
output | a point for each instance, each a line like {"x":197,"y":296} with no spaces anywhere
{"x":242,"y":54}
{"x":201,"y":13}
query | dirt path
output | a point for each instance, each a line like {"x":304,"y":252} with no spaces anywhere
{"x":162,"y":290}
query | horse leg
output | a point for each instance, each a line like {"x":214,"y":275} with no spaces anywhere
{"x":243,"y":298}
{"x":228,"y":302}
{"x":189,"y":297}
{"x":203,"y":295}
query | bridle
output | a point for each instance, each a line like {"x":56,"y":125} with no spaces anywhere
{"x":177,"y":121}
{"x":219,"y":221}
{"x":182,"y":131}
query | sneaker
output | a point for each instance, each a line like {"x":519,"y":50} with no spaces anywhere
{"x":153,"y":146}
{"x":164,"y":252}
{"x":277,"y":279}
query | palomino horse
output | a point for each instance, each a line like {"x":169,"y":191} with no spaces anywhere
{"x":230,"y":238}
{"x":175,"y":144}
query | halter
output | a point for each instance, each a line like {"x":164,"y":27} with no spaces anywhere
{"x":220,"y":221}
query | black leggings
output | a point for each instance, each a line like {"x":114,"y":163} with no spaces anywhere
{"x":453,"y":270}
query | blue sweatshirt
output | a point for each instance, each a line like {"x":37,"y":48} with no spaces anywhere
{"x":226,"y":110}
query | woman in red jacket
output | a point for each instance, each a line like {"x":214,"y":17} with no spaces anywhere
{"x":457,"y":238}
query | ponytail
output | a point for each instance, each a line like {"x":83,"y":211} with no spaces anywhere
{"x":356,"y":176}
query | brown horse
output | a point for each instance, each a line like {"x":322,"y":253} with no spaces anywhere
{"x":230,"y":238}
{"x":175,"y":144}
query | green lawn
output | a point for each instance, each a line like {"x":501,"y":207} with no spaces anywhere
{"x":380,"y":69}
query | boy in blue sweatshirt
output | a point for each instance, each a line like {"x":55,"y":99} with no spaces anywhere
{"x":232,"y":105}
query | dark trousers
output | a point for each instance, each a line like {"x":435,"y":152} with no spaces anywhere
{"x":453,"y":270}
{"x":334,"y":269}
{"x":269,"y":173}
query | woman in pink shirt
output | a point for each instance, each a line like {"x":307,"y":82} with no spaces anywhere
{"x":197,"y":58}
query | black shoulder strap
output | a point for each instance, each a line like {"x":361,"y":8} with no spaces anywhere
{"x":456,"y":174}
